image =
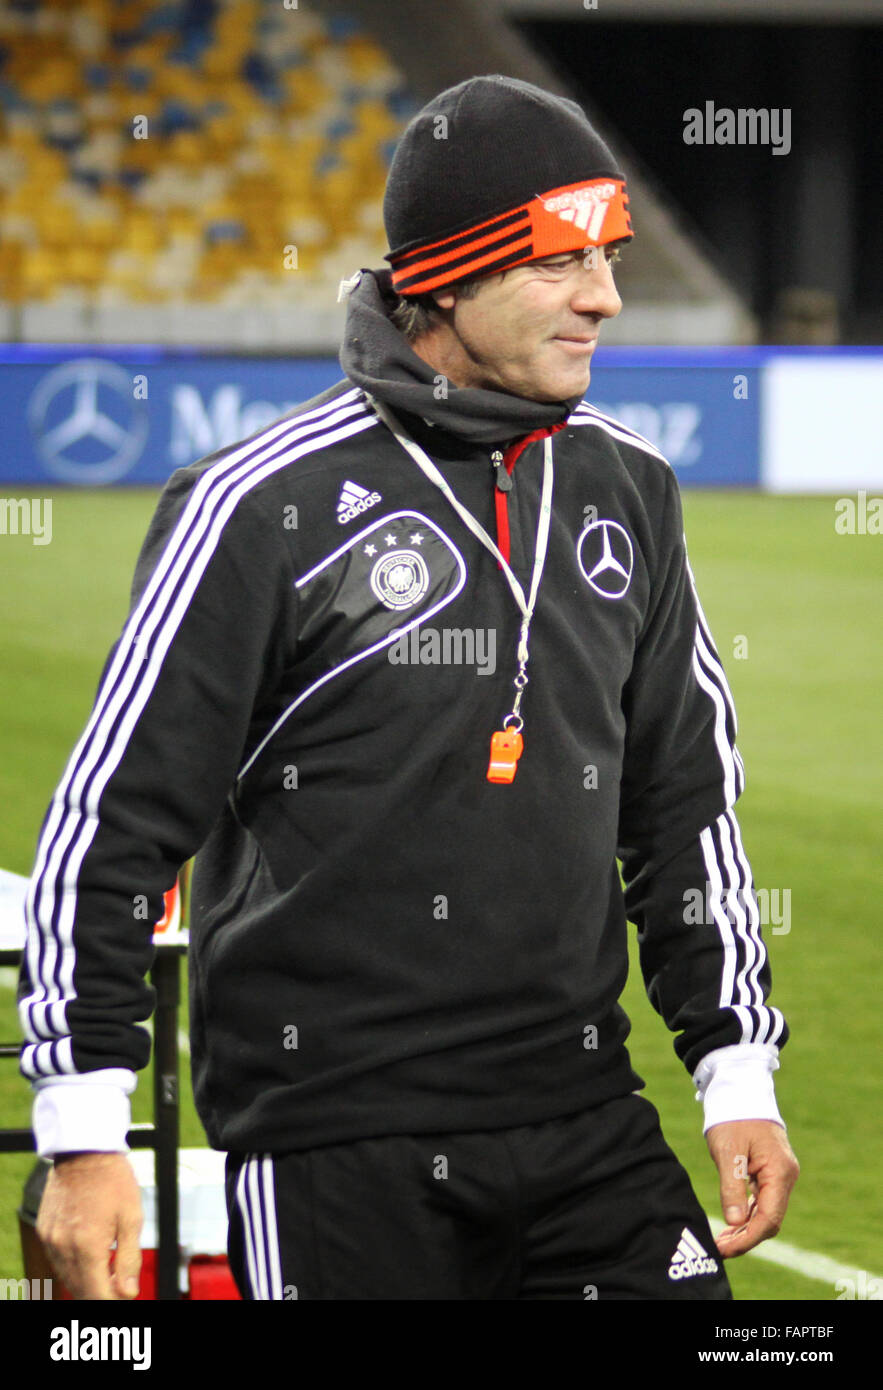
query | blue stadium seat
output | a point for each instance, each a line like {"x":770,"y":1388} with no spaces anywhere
{"x":217,"y":232}
{"x":97,"y":75}
{"x":176,"y":115}
{"x":137,"y":79}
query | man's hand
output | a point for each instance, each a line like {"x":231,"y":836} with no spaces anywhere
{"x":756,"y":1153}
{"x":90,"y":1201}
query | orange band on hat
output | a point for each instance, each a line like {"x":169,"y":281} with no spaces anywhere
{"x":591,"y":213}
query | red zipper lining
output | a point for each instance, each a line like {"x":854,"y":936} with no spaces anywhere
{"x":510,"y":457}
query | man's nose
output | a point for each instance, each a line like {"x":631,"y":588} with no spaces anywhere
{"x":595,"y":291}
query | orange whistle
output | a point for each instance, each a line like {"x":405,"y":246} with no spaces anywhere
{"x":506,"y":748}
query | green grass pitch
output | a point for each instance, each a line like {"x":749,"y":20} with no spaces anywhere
{"x":794,"y":608}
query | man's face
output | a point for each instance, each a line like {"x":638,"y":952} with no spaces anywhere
{"x":532,"y":330}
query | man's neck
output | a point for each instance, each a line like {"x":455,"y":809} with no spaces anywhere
{"x":444,"y":353}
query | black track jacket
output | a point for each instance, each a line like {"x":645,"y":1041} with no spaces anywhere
{"x":318,"y":652}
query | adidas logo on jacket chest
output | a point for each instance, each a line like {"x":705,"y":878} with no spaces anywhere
{"x":353,"y":501}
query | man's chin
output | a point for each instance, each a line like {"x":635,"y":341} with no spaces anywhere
{"x":566,"y":387}
{"x":559,"y":386}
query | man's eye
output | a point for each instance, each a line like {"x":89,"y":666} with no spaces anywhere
{"x":613,"y":255}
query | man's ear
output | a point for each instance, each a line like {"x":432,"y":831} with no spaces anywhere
{"x":445,"y":299}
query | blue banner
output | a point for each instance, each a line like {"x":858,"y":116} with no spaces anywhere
{"x":704,"y":417}
{"x":93,"y":417}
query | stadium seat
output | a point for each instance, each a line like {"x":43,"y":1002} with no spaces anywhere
{"x":265,"y":129}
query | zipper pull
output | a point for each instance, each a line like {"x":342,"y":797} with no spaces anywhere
{"x":502,"y":480}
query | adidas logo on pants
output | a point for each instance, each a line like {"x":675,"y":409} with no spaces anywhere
{"x":690,"y":1258}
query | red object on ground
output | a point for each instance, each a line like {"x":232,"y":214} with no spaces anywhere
{"x":209,"y":1279}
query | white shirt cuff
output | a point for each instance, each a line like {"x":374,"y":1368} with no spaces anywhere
{"x":736,"y":1083}
{"x":84,"y":1113}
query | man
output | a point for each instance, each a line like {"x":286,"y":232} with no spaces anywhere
{"x":408,"y":931}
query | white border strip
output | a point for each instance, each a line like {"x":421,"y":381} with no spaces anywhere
{"x":809,"y":1263}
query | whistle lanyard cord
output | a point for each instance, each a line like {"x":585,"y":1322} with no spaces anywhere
{"x":526,"y":606}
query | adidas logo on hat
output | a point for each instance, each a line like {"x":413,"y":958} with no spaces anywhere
{"x":353,"y":500}
{"x":690,"y":1258}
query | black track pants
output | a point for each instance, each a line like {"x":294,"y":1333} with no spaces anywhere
{"x":592,"y":1205}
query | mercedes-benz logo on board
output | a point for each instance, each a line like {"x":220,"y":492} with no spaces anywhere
{"x":87,"y":426}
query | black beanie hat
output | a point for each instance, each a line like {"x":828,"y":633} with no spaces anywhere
{"x":492,"y":173}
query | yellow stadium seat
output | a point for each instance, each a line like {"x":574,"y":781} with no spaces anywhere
{"x":126,"y":270}
{"x":186,"y":148}
{"x":242,"y":100}
{"x":143,"y":155}
{"x":149,"y":52}
{"x":101,"y":233}
{"x":219,"y":209}
{"x":82,"y":265}
{"x":52,"y":77}
{"x":254,"y":206}
{"x":375,"y":118}
{"x":140,"y":234}
{"x":181,"y":82}
{"x":363,"y":153}
{"x":218,"y":64}
{"x":147,"y":104}
{"x":373,"y":183}
{"x":18,"y":202}
{"x":22,"y":133}
{"x":266,"y":239}
{"x":56,"y":222}
{"x":39,"y":272}
{"x":11,"y":253}
{"x":216,"y":271}
{"x":306,"y":90}
{"x":338,"y":189}
{"x":46,"y":163}
{"x":365,"y":59}
{"x":222,"y":133}
{"x":295,"y":181}
{"x":238,"y":20}
{"x":142,"y":292}
{"x":182,"y":224}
